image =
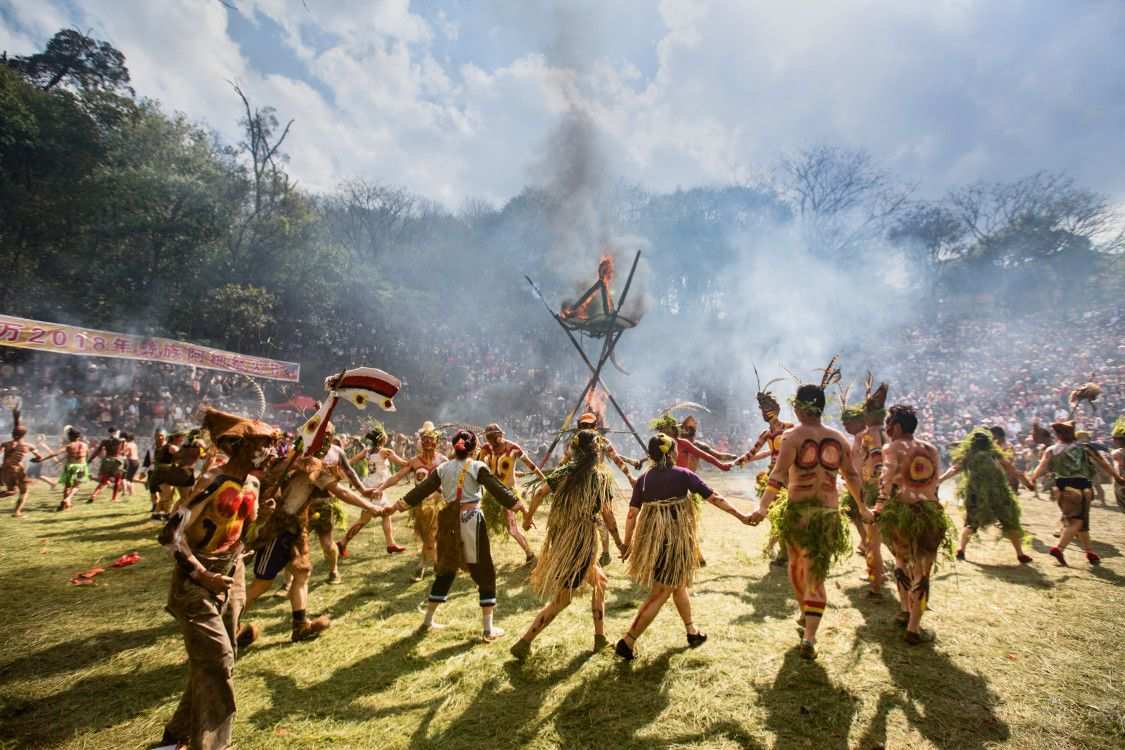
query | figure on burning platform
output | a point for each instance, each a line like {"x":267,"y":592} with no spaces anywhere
{"x":75,"y":469}
{"x":769,"y":440}
{"x":1118,"y":458}
{"x":377,"y":455}
{"x":911,"y":519}
{"x":582,"y":493}
{"x":13,"y":474}
{"x":424,"y":513}
{"x":808,"y":520}
{"x":112,"y":467}
{"x":501,"y":456}
{"x":462,"y":535}
{"x":1074,"y":466}
{"x":985,"y":491}
{"x":281,"y":538}
{"x":662,"y":539}
{"x":325,"y":511}
{"x":208,"y":589}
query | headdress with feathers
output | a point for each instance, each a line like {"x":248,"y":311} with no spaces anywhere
{"x":849,"y":413}
{"x":875,"y":402}
{"x":829,"y":375}
{"x":766,"y":401}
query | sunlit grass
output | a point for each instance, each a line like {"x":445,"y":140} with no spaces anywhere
{"x":1026,"y":657}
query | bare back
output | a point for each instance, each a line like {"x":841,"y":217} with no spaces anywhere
{"x":911,"y":469}
{"x":813,"y":455}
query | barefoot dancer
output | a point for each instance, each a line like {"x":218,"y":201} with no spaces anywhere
{"x":501,"y":456}
{"x":985,"y":492}
{"x":871,"y":442}
{"x":770,"y":439}
{"x":911,"y":520}
{"x":325,"y":511}
{"x":1074,"y":466}
{"x":852,"y":419}
{"x":462,"y":536}
{"x":808,"y":521}
{"x":661,"y":539}
{"x":75,"y":469}
{"x":112,"y":466}
{"x":1118,"y":458}
{"x":425,"y":513}
{"x":13,"y":474}
{"x":582,"y":492}
{"x":377,"y":455}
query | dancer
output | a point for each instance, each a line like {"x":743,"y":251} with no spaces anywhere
{"x":661,"y":539}
{"x":159,"y":438}
{"x":985,"y":491}
{"x":424,"y":513}
{"x":281,"y":539}
{"x":606,"y":449}
{"x":852,"y":419}
{"x":75,"y":469}
{"x":582,"y":492}
{"x":377,"y":455}
{"x":808,"y":520}
{"x":501,"y":456}
{"x":1118,"y":458}
{"x":131,"y":455}
{"x":770,"y":439}
{"x":205,"y":537}
{"x":1073,"y":465}
{"x":13,"y":474}
{"x":462,"y":536}
{"x":871,"y":442}
{"x":325,"y":511}
{"x":112,"y":466}
{"x":911,"y":519}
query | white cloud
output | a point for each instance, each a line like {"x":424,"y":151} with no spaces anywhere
{"x":943,"y":92}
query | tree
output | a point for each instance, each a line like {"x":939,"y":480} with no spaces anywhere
{"x":842,"y":196}
{"x":73,"y":58}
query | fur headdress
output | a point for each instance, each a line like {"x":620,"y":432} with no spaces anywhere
{"x":1040,"y":435}
{"x":875,"y":402}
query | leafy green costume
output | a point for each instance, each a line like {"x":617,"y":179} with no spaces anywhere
{"x":983,"y":486}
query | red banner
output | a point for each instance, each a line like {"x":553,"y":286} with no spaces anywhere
{"x":63,"y":339}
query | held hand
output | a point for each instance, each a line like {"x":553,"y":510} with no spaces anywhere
{"x":213,"y":582}
{"x":756,"y":518}
{"x":528,"y":522}
{"x":746,"y":518}
{"x":877,"y":511}
{"x":725,"y":467}
{"x":624,"y":549}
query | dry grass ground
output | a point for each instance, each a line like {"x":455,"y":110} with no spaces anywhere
{"x":1026,"y":657}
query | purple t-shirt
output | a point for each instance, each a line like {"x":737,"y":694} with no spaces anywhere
{"x":666,"y":484}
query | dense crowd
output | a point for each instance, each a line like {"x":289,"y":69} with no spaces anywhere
{"x":958,"y":373}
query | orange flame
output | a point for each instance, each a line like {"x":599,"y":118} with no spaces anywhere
{"x":581,"y":309}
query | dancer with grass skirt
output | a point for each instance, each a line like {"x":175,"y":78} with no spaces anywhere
{"x":206,"y":535}
{"x":462,"y":536}
{"x":424,"y":514}
{"x":808,"y":520}
{"x":501,"y":456}
{"x":377,"y":455}
{"x":75,"y":469}
{"x":326,"y":514}
{"x":852,"y":419}
{"x":1074,"y":466}
{"x":871,"y":442}
{"x":582,"y":492}
{"x":913,"y":524}
{"x":985,"y":491}
{"x":662,"y":539}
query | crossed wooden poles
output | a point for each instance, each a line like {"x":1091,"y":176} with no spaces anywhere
{"x":613,"y":333}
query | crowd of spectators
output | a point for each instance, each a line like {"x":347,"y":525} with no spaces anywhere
{"x":958,"y":373}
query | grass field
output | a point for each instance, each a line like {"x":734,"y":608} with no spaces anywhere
{"x":1026,"y":657}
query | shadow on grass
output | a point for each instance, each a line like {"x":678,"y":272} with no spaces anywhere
{"x":90,"y":704}
{"x":509,"y":705}
{"x":1023,"y":575}
{"x":768,"y":596}
{"x":805,"y":709}
{"x":947,"y":705}
{"x":75,"y":655}
{"x":83,"y":531}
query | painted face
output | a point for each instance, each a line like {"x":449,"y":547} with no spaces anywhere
{"x":769,"y":415}
{"x":429,"y":443}
{"x":493,"y":438}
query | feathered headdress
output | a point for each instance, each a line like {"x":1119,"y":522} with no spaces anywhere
{"x":875,"y":402}
{"x":15,"y":420}
{"x":849,"y":413}
{"x":766,"y":402}
{"x":829,"y":375}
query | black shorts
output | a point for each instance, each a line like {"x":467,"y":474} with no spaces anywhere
{"x":272,"y":559}
{"x":132,"y":465}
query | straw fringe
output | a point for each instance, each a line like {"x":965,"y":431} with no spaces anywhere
{"x":572,"y":545}
{"x":665,"y":544}
{"x":424,"y":518}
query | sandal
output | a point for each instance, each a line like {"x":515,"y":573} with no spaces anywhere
{"x":624,"y":650}
{"x":695,"y":640}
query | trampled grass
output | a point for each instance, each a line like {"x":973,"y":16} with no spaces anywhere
{"x":1026,"y":657}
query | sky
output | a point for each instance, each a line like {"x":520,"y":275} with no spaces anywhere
{"x":456,"y":99}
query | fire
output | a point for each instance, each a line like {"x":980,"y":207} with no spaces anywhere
{"x":596,"y":403}
{"x":580,"y":310}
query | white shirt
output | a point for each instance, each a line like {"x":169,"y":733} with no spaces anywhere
{"x":450,"y":473}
